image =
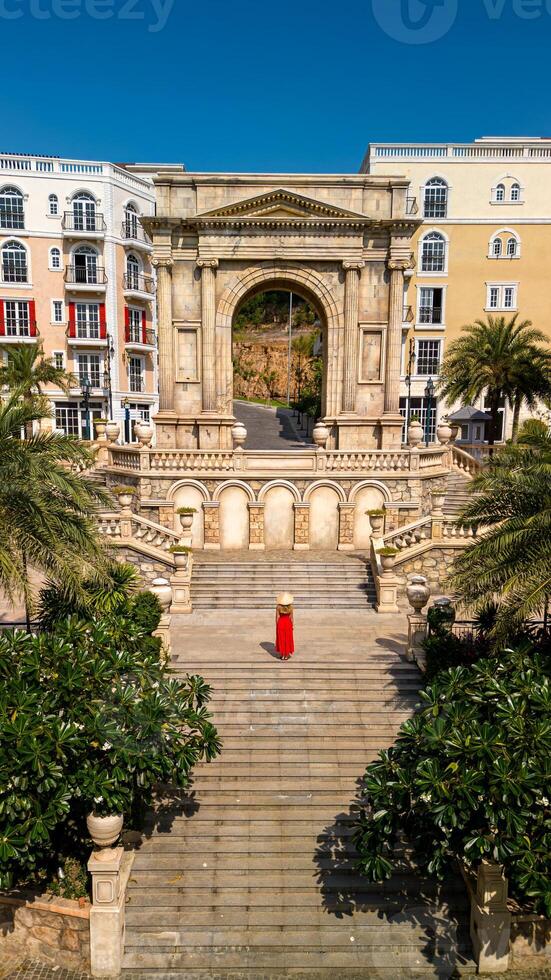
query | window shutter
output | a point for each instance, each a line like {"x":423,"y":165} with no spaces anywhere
{"x":2,"y":320}
{"x":102,"y":322}
{"x":126,"y":324}
{"x":144,"y":327}
{"x":72,"y":320}
{"x":32,"y":318}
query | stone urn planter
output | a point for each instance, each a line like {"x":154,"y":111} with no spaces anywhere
{"x":162,"y":589}
{"x":377,"y":521}
{"x":437,"y":500}
{"x":104,"y":830}
{"x":441,"y":615}
{"x":239,"y":435}
{"x":100,"y":426}
{"x":444,"y":431}
{"x":180,"y":559}
{"x":455,"y":427}
{"x":112,"y":431}
{"x":144,"y":432}
{"x":388,"y":558}
{"x":186,"y":518}
{"x":320,"y":434}
{"x":415,"y":434}
{"x":418,"y":592}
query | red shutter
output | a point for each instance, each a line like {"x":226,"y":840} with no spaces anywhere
{"x":126,"y":324}
{"x":144,"y":327}
{"x":2,"y":320}
{"x":32,"y":318}
{"x":102,"y":322}
{"x":72,"y":320}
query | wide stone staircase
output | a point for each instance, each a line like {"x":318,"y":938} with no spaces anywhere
{"x":251,"y":873}
{"x":457,"y":492}
{"x":235,"y":581}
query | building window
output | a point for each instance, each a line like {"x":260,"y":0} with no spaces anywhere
{"x":58,"y":311}
{"x":85,"y":261}
{"x":89,"y":366}
{"x":515,"y":193}
{"x":512,"y":248}
{"x":502,"y":296}
{"x":433,"y":253}
{"x":53,"y":205}
{"x":58,"y":358}
{"x":135,"y":326}
{"x":132,"y":272}
{"x":431,"y":305}
{"x":497,"y":248}
{"x":14,"y":262}
{"x":428,"y":358}
{"x":418,"y":407}
{"x":84,"y":213}
{"x":55,"y":259}
{"x":500,"y":193}
{"x":130,"y":227}
{"x":87,"y":321}
{"x":17,"y":318}
{"x":12,"y":213}
{"x":436,"y":199}
{"x":135,"y":374}
{"x":66,"y":419}
{"x":504,"y":244}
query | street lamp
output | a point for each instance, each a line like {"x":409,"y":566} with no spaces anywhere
{"x":126,"y":405}
{"x":411,"y":362}
{"x":109,"y":353}
{"x":86,"y":386}
{"x":429,"y":398}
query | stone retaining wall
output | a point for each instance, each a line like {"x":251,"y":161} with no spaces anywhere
{"x":530,"y":943}
{"x":148,"y":568}
{"x":435,"y":565}
{"x":54,"y":930}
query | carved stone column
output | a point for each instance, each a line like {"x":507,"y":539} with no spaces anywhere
{"x":208,"y":330}
{"x":211,"y":509}
{"x":302,"y":527}
{"x":394,"y":337}
{"x":166,"y":339}
{"x":346,"y":527}
{"x":256,"y":526}
{"x":353,"y":272}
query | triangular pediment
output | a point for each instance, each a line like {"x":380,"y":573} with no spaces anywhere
{"x":282,"y":205}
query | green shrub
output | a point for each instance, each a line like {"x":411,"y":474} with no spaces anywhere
{"x":110,"y":595}
{"x":375,"y":513}
{"x":145,"y":611}
{"x":90,"y":719}
{"x":72,"y":882}
{"x":444,"y":650}
{"x":469,"y":777}
{"x":121,"y":489}
{"x":186,"y":510}
{"x":180,"y":549}
{"x":387,"y":552}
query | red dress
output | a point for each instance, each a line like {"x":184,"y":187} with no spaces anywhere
{"x":285,"y":645}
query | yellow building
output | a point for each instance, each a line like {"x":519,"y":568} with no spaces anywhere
{"x":484,"y":246}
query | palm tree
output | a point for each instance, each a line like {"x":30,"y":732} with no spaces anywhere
{"x":510,"y":561}
{"x":46,"y":505}
{"x":492,"y":359}
{"x":28,"y":371}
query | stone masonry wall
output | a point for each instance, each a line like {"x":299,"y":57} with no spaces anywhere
{"x":530,"y":943}
{"x":434,"y":564}
{"x":54,"y":930}
{"x":148,"y":568}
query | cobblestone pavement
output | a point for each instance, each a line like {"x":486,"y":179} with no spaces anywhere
{"x":269,"y":428}
{"x":33,"y":970}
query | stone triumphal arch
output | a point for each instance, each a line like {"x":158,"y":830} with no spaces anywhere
{"x":342,"y":242}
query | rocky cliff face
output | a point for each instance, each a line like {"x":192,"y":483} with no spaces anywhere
{"x":260,"y":369}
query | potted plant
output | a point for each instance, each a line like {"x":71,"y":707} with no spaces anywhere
{"x":441,"y":616}
{"x":415,"y":431}
{"x":125,"y":495}
{"x":100,"y":426}
{"x":377,"y":521}
{"x":186,"y":517}
{"x":180,"y":552}
{"x":387,"y":556}
{"x":112,"y":430}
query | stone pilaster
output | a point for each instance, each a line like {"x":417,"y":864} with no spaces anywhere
{"x":353,"y":272}
{"x":256,"y":526}
{"x":165,"y":338}
{"x":302,"y":527}
{"x":208,"y":331}
{"x":394,"y":336}
{"x":346,"y":527}
{"x":211,"y":509}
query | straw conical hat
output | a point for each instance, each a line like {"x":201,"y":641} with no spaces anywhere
{"x":285,"y":599}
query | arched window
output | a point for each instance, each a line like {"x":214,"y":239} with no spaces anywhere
{"x":512,"y":247}
{"x":433,"y":253}
{"x":85,"y":264}
{"x":53,"y":204}
{"x":14,"y":262}
{"x":12,"y":213}
{"x":436,"y":198}
{"x":55,"y":258}
{"x":500,"y":193}
{"x":84,"y":213}
{"x":131,"y":224}
{"x":497,"y":248}
{"x":515,"y":192}
{"x":132,"y":272}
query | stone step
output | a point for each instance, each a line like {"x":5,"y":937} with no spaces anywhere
{"x":292,"y":936}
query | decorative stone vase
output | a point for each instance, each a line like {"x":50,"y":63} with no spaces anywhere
{"x":144,"y":432}
{"x":415,"y":434}
{"x":180,"y":559}
{"x":387,"y":562}
{"x":112,"y":431}
{"x":125,"y":500}
{"x":418,"y":592}
{"x":455,"y":427}
{"x":437,"y":500}
{"x":104,"y":831}
{"x":320,"y":434}
{"x":186,"y":521}
{"x":444,"y":431}
{"x":377,"y":522}
{"x":239,"y":435}
{"x":100,"y":426}
{"x":441,"y":615}
{"x":162,"y":589}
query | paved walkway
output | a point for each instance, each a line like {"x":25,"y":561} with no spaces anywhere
{"x":269,"y":428}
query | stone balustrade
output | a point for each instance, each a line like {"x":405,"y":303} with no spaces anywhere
{"x":464,"y":462}
{"x":410,"y":535}
{"x":124,"y":525}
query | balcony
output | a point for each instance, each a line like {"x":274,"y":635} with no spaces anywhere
{"x":89,"y":336}
{"x":138,"y":286}
{"x":76,"y":225}
{"x":90,"y":280}
{"x":20,"y":333}
{"x":411,"y":205}
{"x":133,"y":233}
{"x":140,"y":339}
{"x":407,"y":314}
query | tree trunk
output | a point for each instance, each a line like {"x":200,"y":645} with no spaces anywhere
{"x":495,"y":399}
{"x":516,"y":417}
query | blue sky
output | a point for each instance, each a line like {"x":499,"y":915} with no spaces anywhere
{"x":243,"y":85}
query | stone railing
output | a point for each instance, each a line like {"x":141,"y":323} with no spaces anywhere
{"x":425,"y":533}
{"x":124,"y":526}
{"x":194,"y":460}
{"x":410,"y":535}
{"x":464,"y":462}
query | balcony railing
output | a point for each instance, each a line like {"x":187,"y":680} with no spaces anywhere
{"x":20,"y":331}
{"x":407,"y":314}
{"x":138,"y":283}
{"x":411,"y":205}
{"x":430,"y":315}
{"x":133,"y":230}
{"x":85,"y":277}
{"x":83,"y":222}
{"x":140,"y":335}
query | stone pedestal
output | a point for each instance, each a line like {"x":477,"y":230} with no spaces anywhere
{"x":110,"y":870}
{"x":490,"y":920}
{"x":302,"y":527}
{"x":181,"y":589}
{"x":211,"y":510}
{"x":346,"y":527}
{"x":256,"y":526}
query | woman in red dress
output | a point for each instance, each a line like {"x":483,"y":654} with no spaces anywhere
{"x":285,"y":644}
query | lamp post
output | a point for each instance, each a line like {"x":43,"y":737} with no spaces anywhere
{"x":411,"y":362}
{"x":110,"y":350}
{"x":429,"y":398}
{"x":126,"y":405}
{"x":290,"y":349}
{"x":86,"y":386}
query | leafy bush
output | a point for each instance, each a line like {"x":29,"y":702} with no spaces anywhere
{"x":186,"y":510}
{"x":72,"y":882}
{"x":180,"y":549}
{"x":469,"y":776}
{"x":112,"y":594}
{"x":444,"y":650}
{"x":90,"y":719}
{"x":145,"y":611}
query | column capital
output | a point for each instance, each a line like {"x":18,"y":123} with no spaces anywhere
{"x":162,"y":262}
{"x":399,"y":265}
{"x":207,"y":263}
{"x":353,"y":266}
